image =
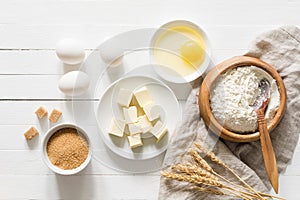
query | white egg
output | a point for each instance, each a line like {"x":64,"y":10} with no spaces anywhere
{"x":111,"y":50}
{"x":70,"y":51}
{"x":74,"y":83}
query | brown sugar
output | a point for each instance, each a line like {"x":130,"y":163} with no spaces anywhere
{"x":67,"y":149}
{"x":30,"y":133}
{"x":41,"y":112}
{"x":55,"y":115}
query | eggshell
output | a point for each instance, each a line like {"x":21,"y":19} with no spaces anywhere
{"x":74,"y":83}
{"x":70,"y":51}
{"x":111,"y":50}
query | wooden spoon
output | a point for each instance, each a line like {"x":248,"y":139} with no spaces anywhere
{"x":266,"y":145}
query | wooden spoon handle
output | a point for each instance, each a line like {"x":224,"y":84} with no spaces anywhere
{"x":267,"y":150}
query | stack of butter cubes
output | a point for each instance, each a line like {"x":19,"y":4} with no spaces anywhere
{"x":141,"y":117}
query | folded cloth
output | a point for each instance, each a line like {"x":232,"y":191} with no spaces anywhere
{"x":281,"y":49}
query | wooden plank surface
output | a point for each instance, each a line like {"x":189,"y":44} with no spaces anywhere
{"x":30,"y":70}
{"x":45,"y":62}
{"x":35,"y":37}
{"x":117,"y":12}
{"x":78,"y":187}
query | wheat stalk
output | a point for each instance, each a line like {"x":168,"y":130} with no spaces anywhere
{"x":196,"y":179}
{"x":205,"y":165}
{"x":209,"y":190}
{"x":202,"y":174}
{"x":217,"y":192}
{"x":215,"y":159}
{"x":238,"y":195}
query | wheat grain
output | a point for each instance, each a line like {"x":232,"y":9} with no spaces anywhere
{"x":201,"y":161}
{"x":207,"y":181}
{"x":193,"y":169}
{"x":192,"y":179}
{"x":211,"y":155}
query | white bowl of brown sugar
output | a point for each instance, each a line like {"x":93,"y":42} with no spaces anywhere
{"x":66,"y":149}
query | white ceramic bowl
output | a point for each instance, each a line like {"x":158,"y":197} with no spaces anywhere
{"x":45,"y":155}
{"x":201,"y":69}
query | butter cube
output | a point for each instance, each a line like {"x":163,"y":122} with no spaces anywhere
{"x":159,"y":130}
{"x":144,"y":123}
{"x":117,"y":128}
{"x":143,"y":96}
{"x":124,"y":97}
{"x":135,"y":140}
{"x":134,"y":129}
{"x":140,"y":110}
{"x":130,"y":114}
{"x":152,"y":111}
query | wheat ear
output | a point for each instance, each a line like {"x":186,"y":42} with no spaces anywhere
{"x":192,"y":179}
{"x":207,"y":167}
{"x":193,"y":169}
{"x":201,"y":161}
{"x":196,"y":179}
{"x":215,"y":159}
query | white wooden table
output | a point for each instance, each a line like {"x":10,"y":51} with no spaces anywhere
{"x":30,"y":70}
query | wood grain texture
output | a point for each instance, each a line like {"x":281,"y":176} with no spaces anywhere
{"x":204,"y":98}
{"x":222,"y":36}
{"x":79,"y":187}
{"x":267,"y":148}
{"x":29,"y":31}
{"x":118,"y":12}
{"x":45,"y":62}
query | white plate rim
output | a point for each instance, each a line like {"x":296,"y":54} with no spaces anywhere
{"x":117,"y":151}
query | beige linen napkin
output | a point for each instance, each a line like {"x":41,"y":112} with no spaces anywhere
{"x":281,"y":49}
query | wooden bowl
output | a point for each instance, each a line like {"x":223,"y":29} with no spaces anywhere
{"x":204,"y":98}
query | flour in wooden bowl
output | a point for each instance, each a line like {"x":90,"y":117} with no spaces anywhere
{"x":233,"y":95}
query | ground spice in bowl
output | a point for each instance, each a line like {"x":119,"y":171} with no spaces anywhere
{"x":67,"y":148}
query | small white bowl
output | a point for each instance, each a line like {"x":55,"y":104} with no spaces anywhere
{"x":45,"y":155}
{"x":201,"y":69}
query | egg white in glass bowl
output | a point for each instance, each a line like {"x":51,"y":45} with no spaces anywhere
{"x":180,"y":51}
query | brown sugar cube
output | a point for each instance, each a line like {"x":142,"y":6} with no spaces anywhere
{"x":31,"y":133}
{"x":41,"y":112}
{"x":55,"y":115}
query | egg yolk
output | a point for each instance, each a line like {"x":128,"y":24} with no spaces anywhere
{"x":192,"y":52}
